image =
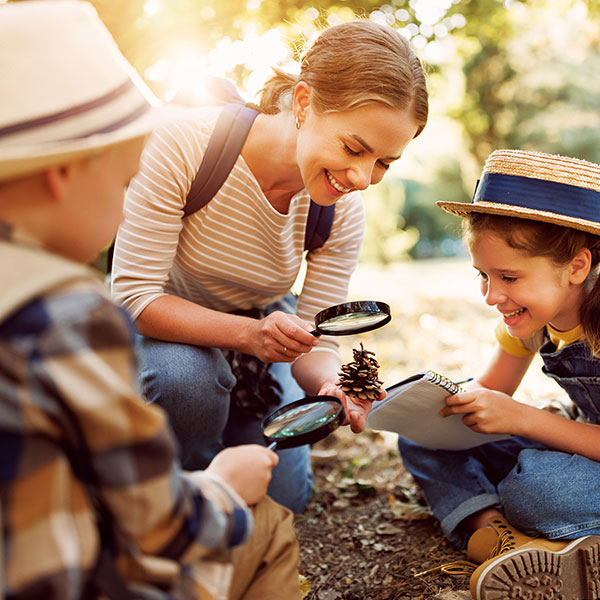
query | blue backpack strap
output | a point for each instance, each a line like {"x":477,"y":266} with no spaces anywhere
{"x":224,"y":147}
{"x":318,"y":225}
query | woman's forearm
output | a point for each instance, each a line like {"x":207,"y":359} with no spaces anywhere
{"x":174,"y":319}
{"x":313,"y":369}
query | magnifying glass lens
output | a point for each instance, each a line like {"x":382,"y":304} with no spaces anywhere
{"x":302,"y":419}
{"x":352,"y":321}
{"x":352,"y":317}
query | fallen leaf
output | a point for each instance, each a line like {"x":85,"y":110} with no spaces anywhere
{"x":387,"y":529}
{"x":304,"y":587}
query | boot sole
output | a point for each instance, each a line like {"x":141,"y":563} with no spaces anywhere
{"x":572,"y":573}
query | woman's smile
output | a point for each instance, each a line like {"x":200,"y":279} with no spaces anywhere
{"x":336,"y":184}
{"x":346,"y":151}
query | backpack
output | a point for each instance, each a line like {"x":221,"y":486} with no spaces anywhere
{"x":224,"y":147}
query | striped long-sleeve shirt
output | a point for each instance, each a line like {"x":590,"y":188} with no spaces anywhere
{"x":74,"y":432}
{"x":237,"y":252}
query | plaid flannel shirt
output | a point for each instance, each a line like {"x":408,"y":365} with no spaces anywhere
{"x":74,"y":432}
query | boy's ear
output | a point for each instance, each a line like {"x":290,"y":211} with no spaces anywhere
{"x":580,"y":266}
{"x":56,"y":180}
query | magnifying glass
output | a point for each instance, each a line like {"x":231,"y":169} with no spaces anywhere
{"x":352,"y":317}
{"x":304,"y":421}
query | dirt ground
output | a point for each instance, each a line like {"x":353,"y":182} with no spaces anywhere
{"x":367,"y":531}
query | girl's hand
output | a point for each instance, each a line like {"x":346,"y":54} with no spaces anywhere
{"x":486,"y":411}
{"x":247,"y":469}
{"x":280,"y":337}
{"x":356,"y":409}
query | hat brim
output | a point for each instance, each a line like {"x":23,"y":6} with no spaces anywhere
{"x":21,"y":160}
{"x":463,"y":209}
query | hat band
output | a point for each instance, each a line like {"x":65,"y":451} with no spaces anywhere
{"x":539,"y":194}
{"x":86,"y":107}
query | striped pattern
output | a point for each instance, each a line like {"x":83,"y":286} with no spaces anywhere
{"x":237,"y":252}
{"x":66,"y":365}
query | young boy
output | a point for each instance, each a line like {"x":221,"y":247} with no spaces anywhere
{"x":92,"y":498}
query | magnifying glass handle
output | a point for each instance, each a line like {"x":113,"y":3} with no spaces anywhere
{"x":272,"y":446}
{"x":315,"y":332}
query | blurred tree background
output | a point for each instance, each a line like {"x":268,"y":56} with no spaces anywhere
{"x":502,"y":74}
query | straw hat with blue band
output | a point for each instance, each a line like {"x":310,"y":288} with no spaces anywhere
{"x":65,"y":88}
{"x":541,"y":187}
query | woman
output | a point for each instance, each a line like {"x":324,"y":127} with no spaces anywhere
{"x":211,"y":292}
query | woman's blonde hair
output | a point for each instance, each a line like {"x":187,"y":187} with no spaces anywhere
{"x":353,"y":64}
{"x":555,"y":242}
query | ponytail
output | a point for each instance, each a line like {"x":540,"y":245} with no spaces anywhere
{"x":276,"y":94}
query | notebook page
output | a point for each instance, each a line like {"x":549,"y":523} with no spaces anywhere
{"x":412,"y":411}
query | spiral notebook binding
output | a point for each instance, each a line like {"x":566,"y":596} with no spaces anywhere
{"x":442,"y":381}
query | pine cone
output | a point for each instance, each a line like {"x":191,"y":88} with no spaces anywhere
{"x":359,"y":378}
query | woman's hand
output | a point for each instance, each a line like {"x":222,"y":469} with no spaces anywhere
{"x":247,"y":469}
{"x":486,"y":411}
{"x":355,"y":408}
{"x":280,"y":337}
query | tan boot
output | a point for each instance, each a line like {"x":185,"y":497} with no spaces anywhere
{"x":484,"y":543}
{"x":499,"y":537}
{"x":540,"y":568}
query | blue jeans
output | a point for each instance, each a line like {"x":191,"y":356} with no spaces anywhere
{"x":540,"y":491}
{"x":192,"y":384}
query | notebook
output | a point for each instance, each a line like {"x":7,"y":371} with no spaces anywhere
{"x":411,"y":408}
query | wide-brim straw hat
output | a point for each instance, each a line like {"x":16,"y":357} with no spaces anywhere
{"x":65,"y":88}
{"x":541,"y":187}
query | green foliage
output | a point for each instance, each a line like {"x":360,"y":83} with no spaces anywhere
{"x":403,"y":220}
{"x":528,"y":79}
{"x":387,"y":238}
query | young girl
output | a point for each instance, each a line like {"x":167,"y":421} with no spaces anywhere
{"x":528,"y":508}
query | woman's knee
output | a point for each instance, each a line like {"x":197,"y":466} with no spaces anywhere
{"x":292,"y":480}
{"x":192,"y":385}
{"x":179,"y":373}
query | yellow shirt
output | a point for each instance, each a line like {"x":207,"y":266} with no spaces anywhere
{"x":518,"y":347}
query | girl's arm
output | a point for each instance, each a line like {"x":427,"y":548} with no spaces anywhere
{"x":505,"y":371}
{"x":560,"y":433}
{"x":491,"y":409}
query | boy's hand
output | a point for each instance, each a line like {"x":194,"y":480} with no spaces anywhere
{"x":247,"y":469}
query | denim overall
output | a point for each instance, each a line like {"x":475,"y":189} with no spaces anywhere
{"x":541,"y":492}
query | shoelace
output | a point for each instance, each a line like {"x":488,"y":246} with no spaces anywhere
{"x":504,"y":543}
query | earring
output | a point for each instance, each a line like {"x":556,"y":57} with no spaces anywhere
{"x":298,"y":123}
